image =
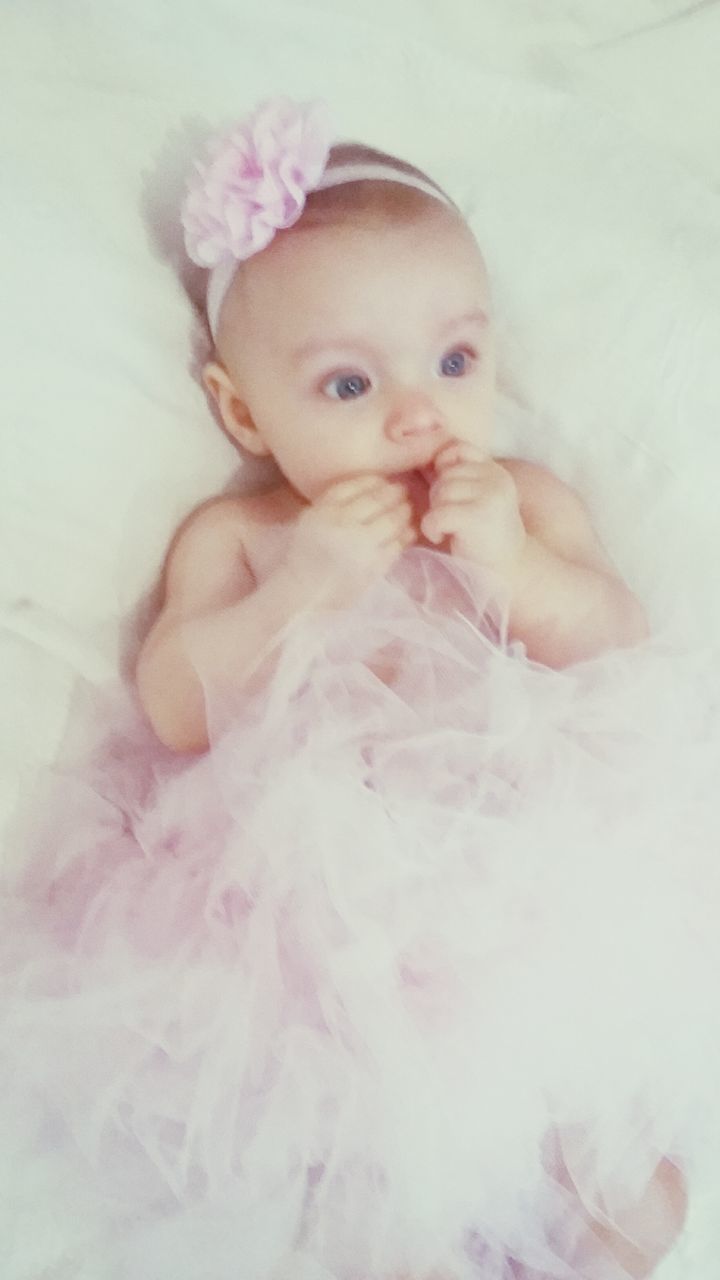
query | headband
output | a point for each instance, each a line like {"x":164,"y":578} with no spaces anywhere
{"x":255,"y":183}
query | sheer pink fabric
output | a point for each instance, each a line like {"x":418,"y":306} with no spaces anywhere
{"x":332,"y":996}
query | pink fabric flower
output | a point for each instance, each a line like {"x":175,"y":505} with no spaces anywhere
{"x":255,"y":180}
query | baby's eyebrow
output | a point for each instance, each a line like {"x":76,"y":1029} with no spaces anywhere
{"x":475,"y":316}
{"x":315,"y":345}
{"x":346,"y":342}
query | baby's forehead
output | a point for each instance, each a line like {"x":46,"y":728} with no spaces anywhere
{"x":439,"y":241}
{"x":337,"y":267}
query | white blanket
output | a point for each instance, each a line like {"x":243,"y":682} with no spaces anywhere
{"x":580,"y":137}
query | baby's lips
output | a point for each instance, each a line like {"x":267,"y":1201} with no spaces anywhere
{"x":425,"y":473}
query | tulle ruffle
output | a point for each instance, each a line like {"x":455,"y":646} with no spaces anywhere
{"x":427,"y":931}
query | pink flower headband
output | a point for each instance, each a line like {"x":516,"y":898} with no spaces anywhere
{"x":255,"y":183}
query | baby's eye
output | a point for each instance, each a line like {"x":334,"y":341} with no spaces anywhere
{"x":346,"y":386}
{"x":456,"y":363}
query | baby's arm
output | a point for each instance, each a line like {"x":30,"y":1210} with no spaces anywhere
{"x":213,"y":607}
{"x":568,"y":601}
{"x":565,"y":599}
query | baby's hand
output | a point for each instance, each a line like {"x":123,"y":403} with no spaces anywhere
{"x":474,"y":502}
{"x":350,"y":536}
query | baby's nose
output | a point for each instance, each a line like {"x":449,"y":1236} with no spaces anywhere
{"x":412,"y":414}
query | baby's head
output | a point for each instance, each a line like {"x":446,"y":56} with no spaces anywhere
{"x":358,"y":338}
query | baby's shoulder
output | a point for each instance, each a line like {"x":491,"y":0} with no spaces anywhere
{"x":217,"y":521}
{"x":226,"y":520}
{"x":542,"y":496}
{"x":214,"y":553}
{"x":534,"y":482}
{"x":555,"y":513}
{"x":205,"y":558}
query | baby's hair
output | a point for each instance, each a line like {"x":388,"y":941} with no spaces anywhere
{"x":371,"y":196}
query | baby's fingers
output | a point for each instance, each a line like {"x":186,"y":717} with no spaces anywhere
{"x":458,"y":452}
{"x":393,"y":524}
{"x":456,"y":487}
{"x":356,"y":488}
{"x":371,"y":507}
{"x":436,"y":524}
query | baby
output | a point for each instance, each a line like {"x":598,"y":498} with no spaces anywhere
{"x":356,"y":349}
{"x":351,"y":312}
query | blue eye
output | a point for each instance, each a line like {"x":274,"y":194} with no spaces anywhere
{"x":347,"y":386}
{"x":455,"y":364}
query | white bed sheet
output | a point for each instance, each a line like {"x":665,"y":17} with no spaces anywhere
{"x":581,"y":137}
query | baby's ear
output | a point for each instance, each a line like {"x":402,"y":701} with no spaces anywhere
{"x":234,"y":412}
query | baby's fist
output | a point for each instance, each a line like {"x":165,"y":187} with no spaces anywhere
{"x":474,"y":503}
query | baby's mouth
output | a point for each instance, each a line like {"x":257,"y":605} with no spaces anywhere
{"x":417,"y":482}
{"x":426,"y":474}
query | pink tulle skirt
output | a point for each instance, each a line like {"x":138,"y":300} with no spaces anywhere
{"x":339,"y":998}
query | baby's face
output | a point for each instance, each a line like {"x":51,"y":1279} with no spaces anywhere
{"x":357,"y":348}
